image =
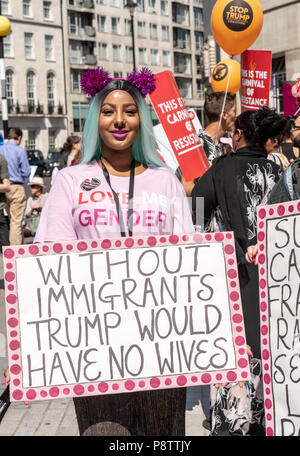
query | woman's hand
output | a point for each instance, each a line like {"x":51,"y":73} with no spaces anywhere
{"x":241,"y":384}
{"x":252,"y":254}
{"x":7,"y":380}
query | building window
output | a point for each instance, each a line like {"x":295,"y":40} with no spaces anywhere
{"x":164,"y":7}
{"x":180,"y":14}
{"x":165,"y":33}
{"x":27,"y":8}
{"x":151,"y":6}
{"x":32,"y":134}
{"x":141,"y":29}
{"x":278,"y":77}
{"x":50,"y":89}
{"x":28,"y":40}
{"x":166,"y":58}
{"x":153,"y":31}
{"x":101,"y":24}
{"x":181,"y":38}
{"x":115,"y":25}
{"x":116,"y":53}
{"x":198,"y":17}
{"x":154,"y":57}
{"x":47,"y":10}
{"x":9,"y":86}
{"x":75,"y":51}
{"x":129,"y":54}
{"x":103,"y":53}
{"x":185,"y":87}
{"x":79,"y":112}
{"x":199,"y":40}
{"x":5,"y":7}
{"x":127,"y":27}
{"x":182,"y":63}
{"x":49,"y":47}
{"x":75,"y":81}
{"x":115,"y":3}
{"x":141,"y":5}
{"x":52,"y":138}
{"x":200,"y":88}
{"x":143,"y":55}
{"x":7,"y":46}
{"x":30,"y":88}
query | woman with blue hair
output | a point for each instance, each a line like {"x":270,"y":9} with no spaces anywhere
{"x":120,"y":188}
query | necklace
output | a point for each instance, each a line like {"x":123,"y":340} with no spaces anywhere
{"x":117,"y":201}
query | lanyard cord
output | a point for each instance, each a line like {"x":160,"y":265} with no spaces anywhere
{"x":116,"y":198}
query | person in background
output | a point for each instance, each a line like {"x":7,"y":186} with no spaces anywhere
{"x":35,"y":204}
{"x":295,"y":134}
{"x":287,"y":147}
{"x":70,"y":154}
{"x":19,"y":174}
{"x":274,"y":154}
{"x":232,"y":188}
{"x":286,"y":189}
{"x":218,"y":124}
{"x":4,"y":189}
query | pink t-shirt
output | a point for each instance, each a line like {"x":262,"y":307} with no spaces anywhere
{"x":80,"y":205}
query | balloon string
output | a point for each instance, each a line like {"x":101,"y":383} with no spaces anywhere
{"x":223,"y":107}
{"x":297,"y":112}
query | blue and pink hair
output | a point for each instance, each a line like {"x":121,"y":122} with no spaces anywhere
{"x":98,"y":84}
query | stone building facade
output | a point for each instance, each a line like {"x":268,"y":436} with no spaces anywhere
{"x":54,"y":41}
{"x":35,"y":76}
{"x":280,"y":34}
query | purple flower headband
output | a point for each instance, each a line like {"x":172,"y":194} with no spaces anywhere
{"x":93,"y":81}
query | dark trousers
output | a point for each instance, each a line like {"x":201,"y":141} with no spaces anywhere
{"x":4,"y":230}
{"x":250,"y":303}
{"x":154,"y":413}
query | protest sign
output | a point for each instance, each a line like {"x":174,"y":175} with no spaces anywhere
{"x":279,"y":274}
{"x":256,"y":79}
{"x":164,"y":146}
{"x":175,"y":120}
{"x":120,"y":315}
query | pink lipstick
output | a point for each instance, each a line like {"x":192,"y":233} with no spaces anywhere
{"x":119,"y":134}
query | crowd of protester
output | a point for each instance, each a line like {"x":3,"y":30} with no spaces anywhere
{"x":247,"y":169}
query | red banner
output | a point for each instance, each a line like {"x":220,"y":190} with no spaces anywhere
{"x":174,"y":118}
{"x":256,"y":67}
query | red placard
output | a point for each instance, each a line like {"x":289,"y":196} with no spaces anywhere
{"x":256,"y":79}
{"x":174,"y":118}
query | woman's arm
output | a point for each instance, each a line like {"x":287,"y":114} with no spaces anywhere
{"x":204,"y":189}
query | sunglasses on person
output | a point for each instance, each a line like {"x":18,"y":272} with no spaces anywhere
{"x":295,"y":127}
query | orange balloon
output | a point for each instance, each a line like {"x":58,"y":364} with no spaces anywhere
{"x":236,"y":24}
{"x":226,"y":76}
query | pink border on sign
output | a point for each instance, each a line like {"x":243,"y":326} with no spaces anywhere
{"x":265,"y":213}
{"x":18,"y":393}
